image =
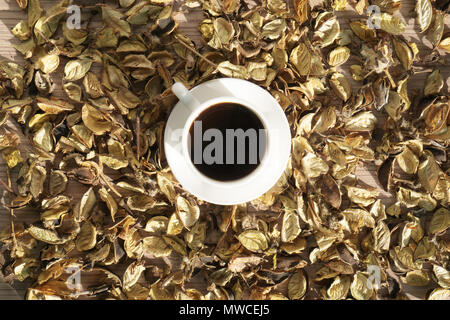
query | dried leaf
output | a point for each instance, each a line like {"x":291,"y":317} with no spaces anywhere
{"x":187,"y":212}
{"x":253,"y":240}
{"x":297,"y":285}
{"x":424,"y":12}
{"x":87,"y":238}
{"x":291,"y":226}
{"x":361,"y":287}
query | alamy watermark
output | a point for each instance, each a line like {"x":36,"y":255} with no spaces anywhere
{"x":73,"y":282}
{"x":229,"y":148}
{"x":74,"y":19}
{"x":374,"y":279}
{"x":374,"y":20}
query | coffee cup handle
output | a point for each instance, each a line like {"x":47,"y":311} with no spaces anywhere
{"x":184,"y":95}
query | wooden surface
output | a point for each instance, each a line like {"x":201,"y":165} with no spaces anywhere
{"x":10,"y":15}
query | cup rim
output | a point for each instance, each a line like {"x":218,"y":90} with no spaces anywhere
{"x":194,"y":115}
{"x":260,"y":180}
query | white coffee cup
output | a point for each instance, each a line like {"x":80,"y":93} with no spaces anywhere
{"x":192,"y":103}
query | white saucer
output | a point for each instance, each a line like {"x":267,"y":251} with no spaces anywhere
{"x":263,"y":177}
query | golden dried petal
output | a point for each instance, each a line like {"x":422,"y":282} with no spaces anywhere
{"x":436,"y":29}
{"x":442,"y":189}
{"x":257,"y":70}
{"x":106,"y":38}
{"x":302,"y":10}
{"x":361,"y":196}
{"x":175,"y":225}
{"x":132,"y":274}
{"x":92,"y":85}
{"x":83,"y":134}
{"x":12,"y":157}
{"x":338,"y":56}
{"x":253,"y":240}
{"x":195,"y":237}
{"x":73,"y":91}
{"x":86,"y":204}
{"x":187,"y":212}
{"x":166,"y":186}
{"x":47,"y":63}
{"x":126,"y":3}
{"x":165,"y":57}
{"x":113,"y":18}
{"x":326,"y":29}
{"x":434,"y":83}
{"x":110,"y":202}
{"x":87,"y":237}
{"x":291,"y":226}
{"x":363,"y":121}
{"x":116,"y":158}
{"x":76,"y":69}
{"x":428,"y":173}
{"x":95,"y":120}
{"x":362,"y":31}
{"x":140,"y":202}
{"x":44,"y":235}
{"x":223,"y":30}
{"x":53,"y":105}
{"x":76,"y":36}
{"x":339,"y":288}
{"x":157,"y":224}
{"x":361,"y":288}
{"x":412,"y":230}
{"x":411,"y":198}
{"x":382,"y":237}
{"x":22,"y":3}
{"x":34,"y":11}
{"x":358,"y":218}
{"x":124,"y":100}
{"x":416,"y":278}
{"x":442,"y":275}
{"x":340,"y":85}
{"x":439,"y":294}
{"x":301,"y":59}
{"x":159,"y":293}
{"x":43,"y":137}
{"x":424,"y":12}
{"x":176,"y":244}
{"x":133,"y":244}
{"x":156,"y":246}
{"x":407,"y":161}
{"x":297,"y":285}
{"x":221,"y":277}
{"x":239,"y":264}
{"x":435,"y":116}
{"x":313,"y":166}
{"x":277,"y":6}
{"x":274,"y":29}
{"x":425,"y":249}
{"x":137,"y":292}
{"x":403,"y":258}
{"x":46,"y":26}
{"x":233,"y":71}
{"x":440,"y":221}
{"x":206,"y":29}
{"x":58,"y":182}
{"x":404,"y":53}
{"x":296,"y":246}
{"x":339,"y":5}
{"x":391,"y":24}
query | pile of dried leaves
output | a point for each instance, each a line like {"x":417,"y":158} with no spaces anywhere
{"x":320,"y":233}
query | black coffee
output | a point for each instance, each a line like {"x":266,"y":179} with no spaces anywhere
{"x":227,"y":141}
